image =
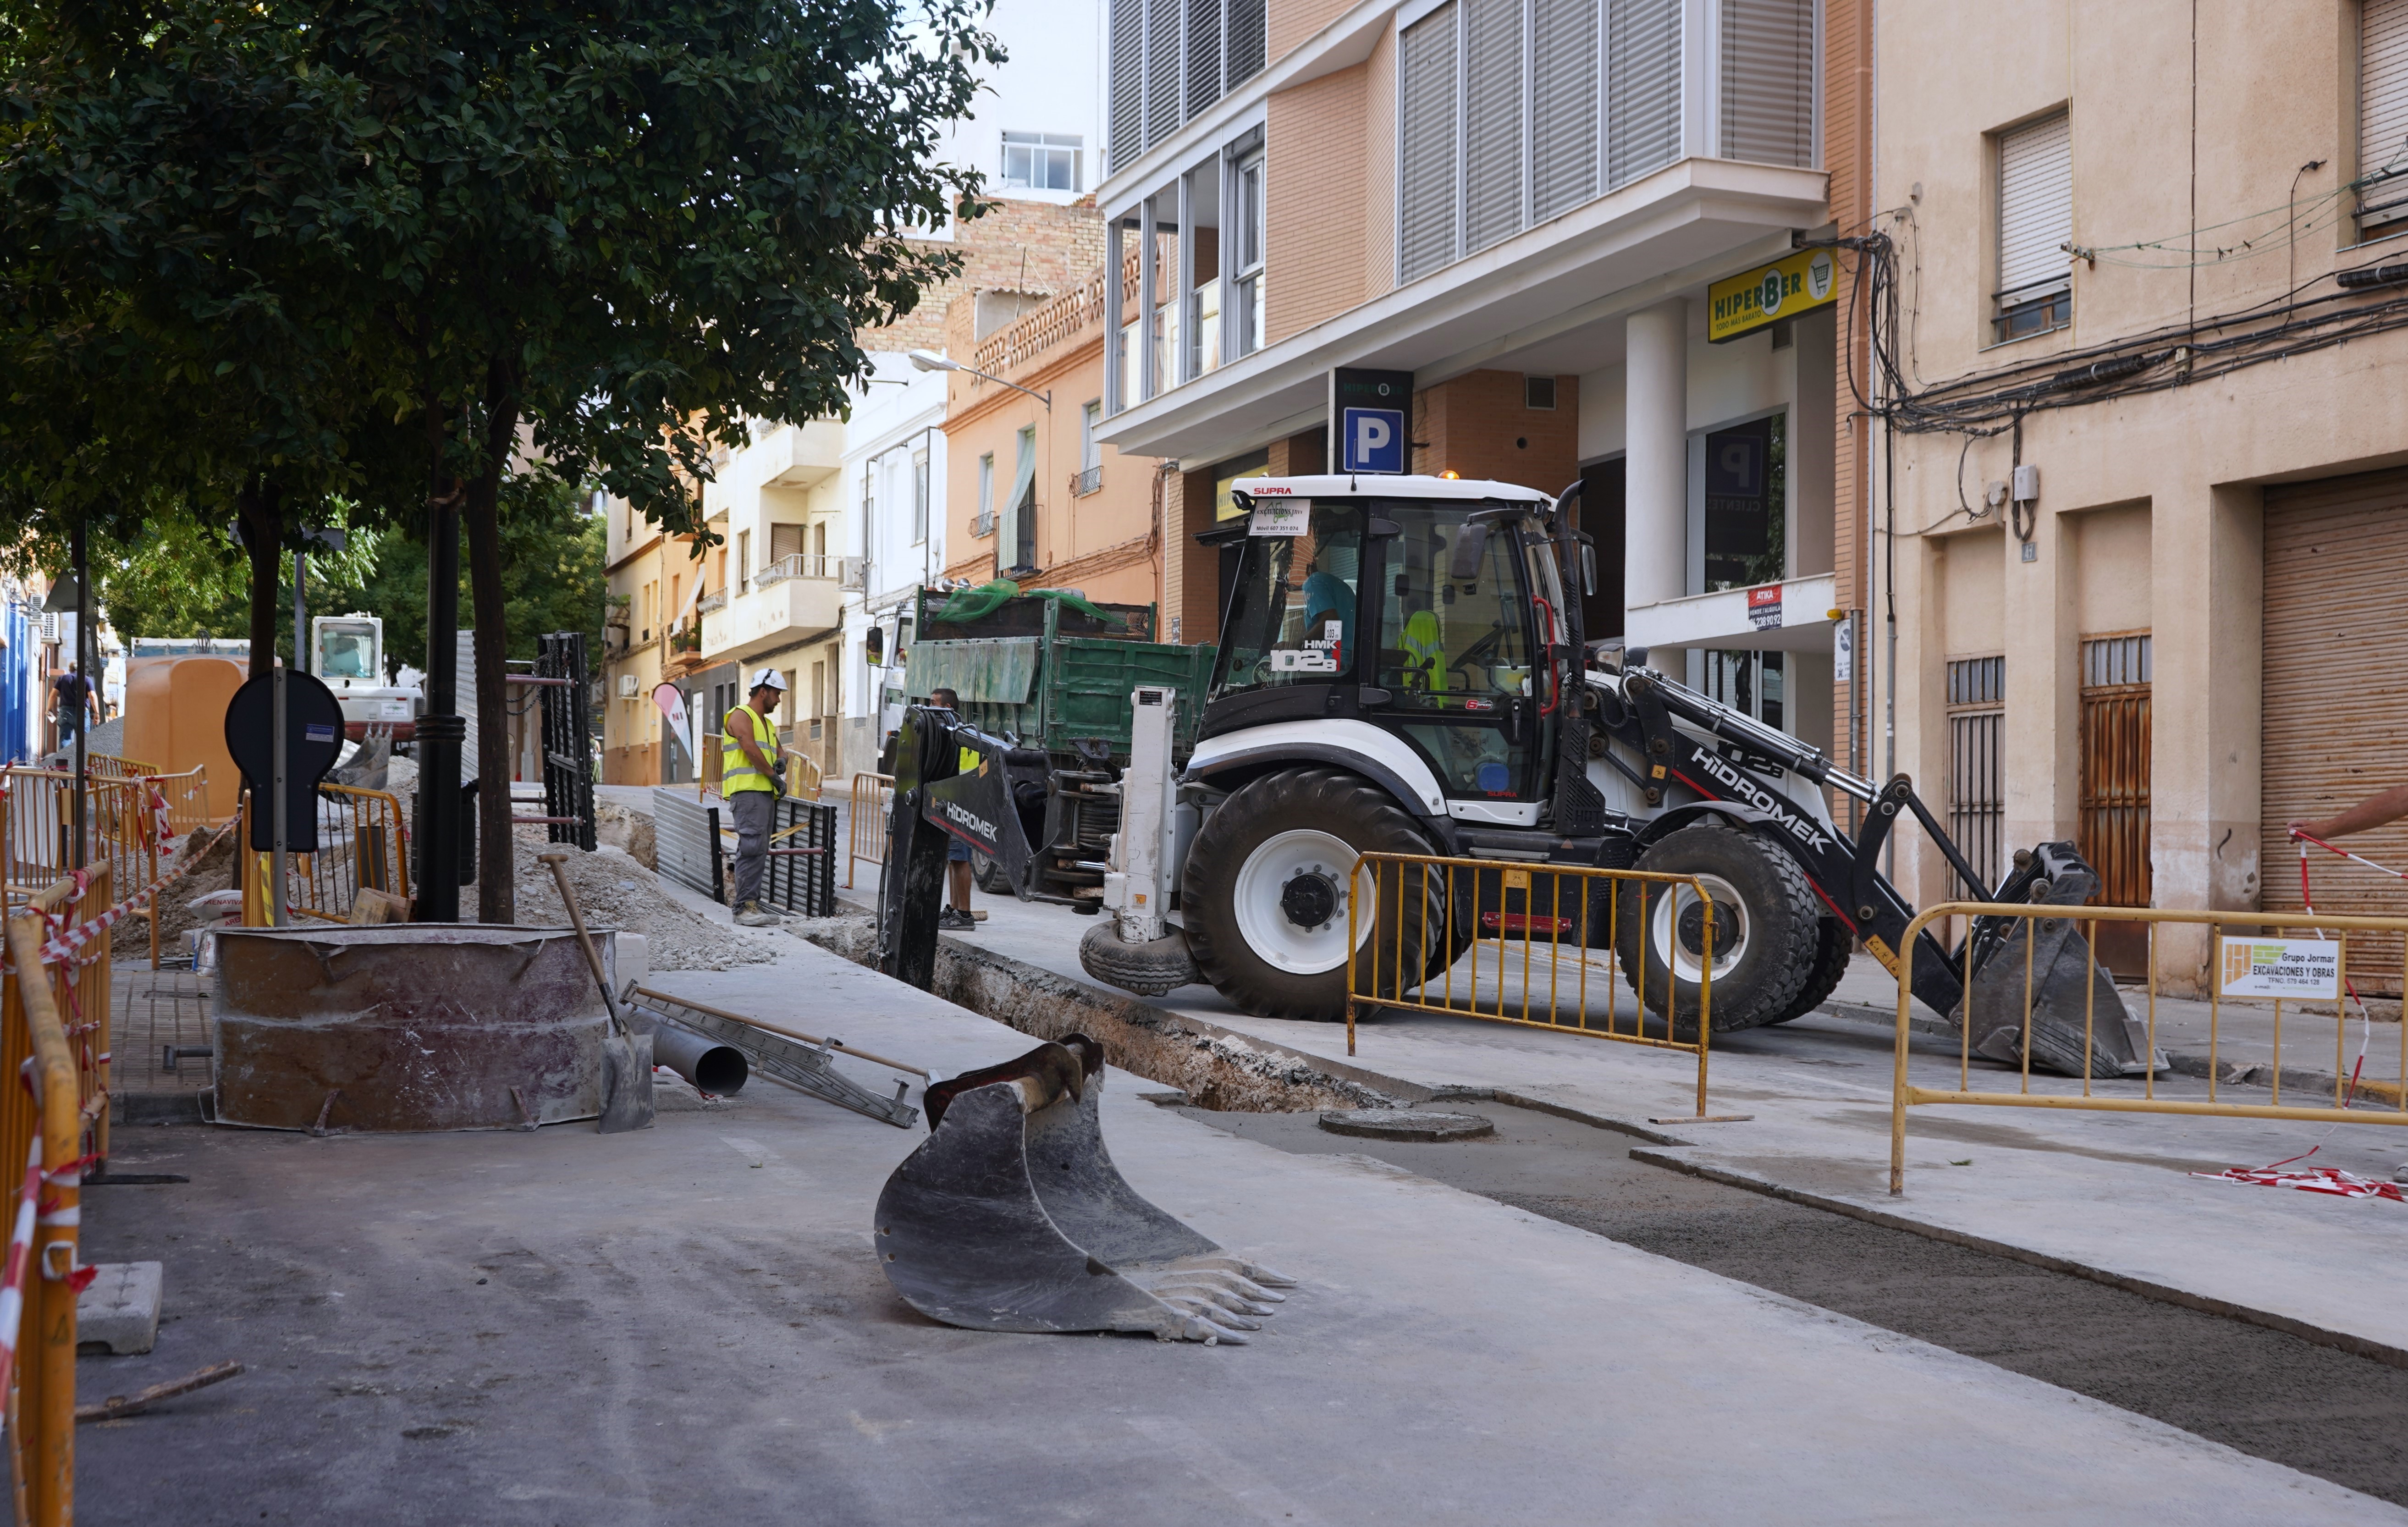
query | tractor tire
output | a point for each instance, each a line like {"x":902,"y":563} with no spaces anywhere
{"x":1149,"y":970}
{"x":1266,"y":898}
{"x":1831,"y":950}
{"x":988,"y":875}
{"x":1766,"y":928}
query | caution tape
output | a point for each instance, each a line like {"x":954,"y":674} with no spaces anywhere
{"x":63,"y":943}
{"x":2330,"y":1180}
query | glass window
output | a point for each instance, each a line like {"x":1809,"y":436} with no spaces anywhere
{"x":1291,"y":614}
{"x":1248,"y":267}
{"x":1042,"y":161}
{"x":1451,"y":645}
{"x":919,"y":497}
{"x":1746,"y":484}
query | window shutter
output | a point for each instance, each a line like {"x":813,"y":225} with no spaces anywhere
{"x":1203,"y":54}
{"x":1563,"y":106}
{"x":1427,"y":158}
{"x":2035,"y":207}
{"x":2383,"y":101}
{"x":1768,"y":81}
{"x":1249,"y":32}
{"x":1127,"y":23}
{"x":785,"y":540}
{"x":1162,"y":71}
{"x":1643,"y":91}
{"x":1493,"y":117}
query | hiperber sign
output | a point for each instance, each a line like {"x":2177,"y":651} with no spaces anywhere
{"x":1739,"y":305}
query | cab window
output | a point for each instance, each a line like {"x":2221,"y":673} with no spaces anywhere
{"x":1447,"y":644}
{"x":1292,"y":615}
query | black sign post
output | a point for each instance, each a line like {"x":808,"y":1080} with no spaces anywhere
{"x":1380,"y":405}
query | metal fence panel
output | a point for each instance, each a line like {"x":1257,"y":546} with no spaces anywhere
{"x":685,"y":842}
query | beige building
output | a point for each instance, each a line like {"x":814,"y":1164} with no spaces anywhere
{"x":1033,"y":492}
{"x":2152,"y":439}
{"x":652,"y":580}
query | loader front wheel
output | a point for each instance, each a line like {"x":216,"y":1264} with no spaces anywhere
{"x":1267,"y":895}
{"x":1766,"y":929}
{"x":1832,"y":948}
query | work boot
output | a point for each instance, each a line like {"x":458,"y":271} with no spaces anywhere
{"x":954,"y":920}
{"x":753,"y":914}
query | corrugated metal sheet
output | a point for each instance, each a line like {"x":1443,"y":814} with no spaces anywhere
{"x":1427,"y":159}
{"x":1768,"y":81}
{"x":1643,"y":89}
{"x":1494,"y":74}
{"x":2335,"y":657}
{"x":1564,"y":123}
{"x":1000,"y":671}
{"x":685,"y":840}
{"x":2035,"y":205}
{"x":800,"y":876}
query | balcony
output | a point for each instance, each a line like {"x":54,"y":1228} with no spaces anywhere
{"x":1791,"y":617}
{"x":786,"y":605}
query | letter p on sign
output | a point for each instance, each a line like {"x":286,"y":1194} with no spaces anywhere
{"x":1372,"y":440}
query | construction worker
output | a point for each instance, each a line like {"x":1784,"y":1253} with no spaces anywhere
{"x":749,"y":783}
{"x":956,"y":917}
{"x":2373,"y":812}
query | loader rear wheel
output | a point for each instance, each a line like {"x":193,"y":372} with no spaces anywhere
{"x":1833,"y":945}
{"x":1766,"y":928}
{"x":1266,"y":894}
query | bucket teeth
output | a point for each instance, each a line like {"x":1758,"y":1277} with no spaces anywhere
{"x":1011,"y":1217}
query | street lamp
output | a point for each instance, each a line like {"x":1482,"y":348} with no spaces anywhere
{"x":928,"y":360}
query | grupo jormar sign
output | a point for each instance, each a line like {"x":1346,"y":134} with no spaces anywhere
{"x":2306,"y":969}
{"x":1797,"y":283}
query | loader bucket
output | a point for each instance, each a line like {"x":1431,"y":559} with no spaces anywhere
{"x":2070,"y":993}
{"x":1011,"y":1217}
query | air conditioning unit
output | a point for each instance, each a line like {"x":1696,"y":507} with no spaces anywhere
{"x":854,"y":574}
{"x":49,"y":630}
{"x":626,"y":687}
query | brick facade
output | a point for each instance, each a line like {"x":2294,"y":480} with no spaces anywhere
{"x":1020,"y":246}
{"x":1480,"y":425}
{"x":1316,"y":204}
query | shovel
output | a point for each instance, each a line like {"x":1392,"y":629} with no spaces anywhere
{"x":627,"y":1055}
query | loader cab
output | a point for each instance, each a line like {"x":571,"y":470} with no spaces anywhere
{"x":1421,"y":605}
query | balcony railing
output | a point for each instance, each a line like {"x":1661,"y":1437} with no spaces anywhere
{"x":1090,"y":481}
{"x":799,"y":564}
{"x":715,"y":599}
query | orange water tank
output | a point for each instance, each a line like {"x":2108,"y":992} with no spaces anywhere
{"x":175,"y":719}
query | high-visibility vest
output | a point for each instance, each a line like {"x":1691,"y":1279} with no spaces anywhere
{"x":738,"y":772}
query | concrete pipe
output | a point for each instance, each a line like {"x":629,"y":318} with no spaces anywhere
{"x":711,"y":1066}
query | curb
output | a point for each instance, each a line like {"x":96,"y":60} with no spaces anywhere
{"x":2322,"y":1336}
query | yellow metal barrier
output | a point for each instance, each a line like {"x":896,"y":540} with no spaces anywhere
{"x":186,"y":796}
{"x":864,"y":831}
{"x":1478,"y":904}
{"x":803,"y":777}
{"x":43,"y":1128}
{"x":2321,"y":926}
{"x":361,"y":842}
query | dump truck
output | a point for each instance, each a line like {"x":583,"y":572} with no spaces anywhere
{"x":1051,"y":673}
{"x":1403,"y":670}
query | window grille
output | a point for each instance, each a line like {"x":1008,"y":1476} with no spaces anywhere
{"x":1977,"y":800}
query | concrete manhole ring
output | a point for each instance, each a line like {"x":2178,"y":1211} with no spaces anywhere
{"x":1405,"y":1124}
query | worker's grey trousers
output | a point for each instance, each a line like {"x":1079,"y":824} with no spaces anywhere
{"x":751,"y":809}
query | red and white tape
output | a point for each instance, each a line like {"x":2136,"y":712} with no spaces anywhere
{"x":2318,"y":1179}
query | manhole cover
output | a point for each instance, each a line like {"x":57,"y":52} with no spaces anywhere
{"x":1405,"y":1124}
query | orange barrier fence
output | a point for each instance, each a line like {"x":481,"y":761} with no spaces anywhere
{"x":361,"y":843}
{"x":865,"y":820}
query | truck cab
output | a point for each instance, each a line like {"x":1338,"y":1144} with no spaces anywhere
{"x":348,"y":653}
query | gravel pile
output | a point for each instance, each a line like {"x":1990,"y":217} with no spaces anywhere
{"x":613,"y":890}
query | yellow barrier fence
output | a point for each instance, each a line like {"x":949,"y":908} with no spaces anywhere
{"x":1440,"y":942}
{"x":360,"y":844}
{"x":53,"y":1031}
{"x":2270,"y":954}
{"x":804,"y":780}
{"x":865,"y":821}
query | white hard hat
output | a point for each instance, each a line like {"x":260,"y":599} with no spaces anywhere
{"x":767,"y":679}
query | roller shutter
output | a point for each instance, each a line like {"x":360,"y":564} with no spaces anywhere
{"x":2336,"y":693}
{"x":1162,"y":69}
{"x":1563,"y":106}
{"x":1492,"y":116}
{"x":1768,"y":85}
{"x":1126,"y":21}
{"x":1643,"y":88}
{"x":1429,"y":170}
{"x":2035,"y":207}
{"x":2383,"y":109}
{"x":1203,"y":54}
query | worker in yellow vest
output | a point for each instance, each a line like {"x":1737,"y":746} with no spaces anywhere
{"x":749,"y":781}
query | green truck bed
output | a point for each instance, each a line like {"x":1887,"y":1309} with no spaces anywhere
{"x":1053,"y":688}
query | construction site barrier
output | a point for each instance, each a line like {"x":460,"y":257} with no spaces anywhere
{"x":804,"y":779}
{"x":1564,"y":917}
{"x":54,"y":1035}
{"x":360,"y":844}
{"x":2138,"y":1094}
{"x":865,"y":819}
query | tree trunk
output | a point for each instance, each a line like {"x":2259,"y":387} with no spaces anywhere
{"x":481,"y":515}
{"x":259,"y":506}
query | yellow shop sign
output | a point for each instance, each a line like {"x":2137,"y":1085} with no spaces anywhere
{"x":1805,"y":281}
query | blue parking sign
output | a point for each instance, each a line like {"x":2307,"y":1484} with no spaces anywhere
{"x":1372,"y":440}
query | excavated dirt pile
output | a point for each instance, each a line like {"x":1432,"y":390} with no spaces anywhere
{"x":613,"y":890}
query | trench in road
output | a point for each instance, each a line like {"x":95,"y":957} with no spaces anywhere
{"x":2325,"y":1412}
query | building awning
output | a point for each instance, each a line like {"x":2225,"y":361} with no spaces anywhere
{"x":1792,"y":616}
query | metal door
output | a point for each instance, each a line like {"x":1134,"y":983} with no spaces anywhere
{"x":2114,"y":803}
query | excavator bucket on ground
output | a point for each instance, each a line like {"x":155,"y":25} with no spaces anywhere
{"x":2045,"y":967}
{"x":1011,"y":1217}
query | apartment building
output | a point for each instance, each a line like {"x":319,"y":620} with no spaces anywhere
{"x":1035,"y":494}
{"x":654,"y":581}
{"x":2149,"y":387}
{"x":1562,"y":240}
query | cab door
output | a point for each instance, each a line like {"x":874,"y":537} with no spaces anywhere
{"x":1455,"y":670}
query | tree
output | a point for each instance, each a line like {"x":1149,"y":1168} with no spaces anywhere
{"x":585,"y":242}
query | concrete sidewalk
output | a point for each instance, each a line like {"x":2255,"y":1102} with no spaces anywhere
{"x":2108,"y":1195}
{"x":689,"y":1324}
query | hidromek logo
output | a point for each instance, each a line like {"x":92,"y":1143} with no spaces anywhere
{"x":980,"y":824}
{"x":1802,"y":827}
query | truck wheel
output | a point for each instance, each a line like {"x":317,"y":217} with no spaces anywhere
{"x":1147,"y":968}
{"x":1266,"y":892}
{"x":1833,"y":943}
{"x":989,"y":876}
{"x":1766,"y":927}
